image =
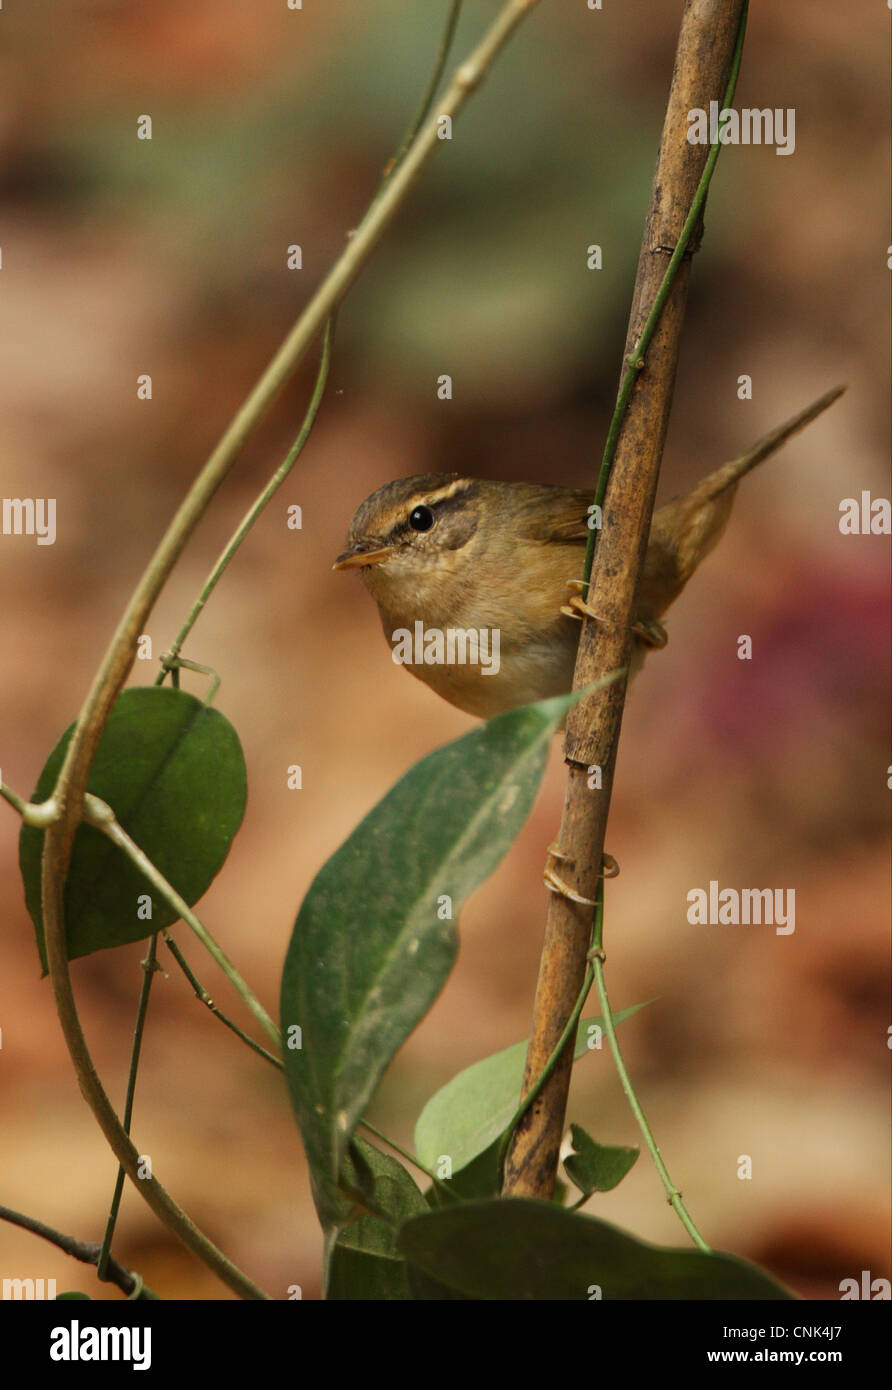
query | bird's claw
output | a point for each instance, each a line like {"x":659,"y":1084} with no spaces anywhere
{"x":576,"y":607}
{"x":651,"y":633}
{"x":646,"y":630}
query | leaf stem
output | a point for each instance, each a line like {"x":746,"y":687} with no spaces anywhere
{"x":596,"y":964}
{"x":672,"y":1192}
{"x":427,"y":100}
{"x":635,"y":360}
{"x":99,"y":814}
{"x":404,"y":1153}
{"x":161,"y":1201}
{"x":15,"y":801}
{"x":202,"y":995}
{"x":322,"y":375}
{"x":253,"y":512}
{"x":149,"y":965}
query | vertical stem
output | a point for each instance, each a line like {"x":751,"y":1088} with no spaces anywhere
{"x":673,"y":1194}
{"x":711,"y":31}
{"x":148,"y":966}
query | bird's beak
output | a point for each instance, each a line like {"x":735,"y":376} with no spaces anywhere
{"x":370,"y":552}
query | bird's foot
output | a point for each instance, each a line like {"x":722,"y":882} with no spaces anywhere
{"x":576,"y":606}
{"x":647,"y":631}
{"x":650,"y":633}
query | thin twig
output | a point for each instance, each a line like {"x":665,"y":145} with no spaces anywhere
{"x":202,"y":994}
{"x":672,"y":1193}
{"x":18,"y":803}
{"x":635,"y":360}
{"x":100,"y":815}
{"x":86,"y":1251}
{"x":596,"y":965}
{"x":253,"y":512}
{"x":288,"y":463}
{"x":121,"y":652}
{"x":66,"y":802}
{"x":409,"y":1157}
{"x":427,"y":100}
{"x":148,"y":967}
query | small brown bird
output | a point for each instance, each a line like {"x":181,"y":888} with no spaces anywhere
{"x":471,"y":576}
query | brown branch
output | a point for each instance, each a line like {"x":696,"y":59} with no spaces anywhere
{"x":85,"y":1251}
{"x":702,"y":64}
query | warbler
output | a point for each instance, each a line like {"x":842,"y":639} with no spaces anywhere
{"x":478,"y":582}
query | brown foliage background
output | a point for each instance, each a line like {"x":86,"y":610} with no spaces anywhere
{"x":122,"y":257}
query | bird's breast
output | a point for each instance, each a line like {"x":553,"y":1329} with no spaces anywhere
{"x":481,"y":669}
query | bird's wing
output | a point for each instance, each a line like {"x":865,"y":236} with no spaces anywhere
{"x":554,"y":514}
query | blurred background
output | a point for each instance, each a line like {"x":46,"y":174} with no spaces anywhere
{"x":168,"y":257}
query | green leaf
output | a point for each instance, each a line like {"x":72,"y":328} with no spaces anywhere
{"x":475,"y":1107}
{"x":364,"y":1262}
{"x":519,"y":1248}
{"x":479,"y":1178}
{"x":370,"y":950}
{"x":173,"y":772}
{"x":596,"y":1167}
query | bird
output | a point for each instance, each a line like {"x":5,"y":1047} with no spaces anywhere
{"x":478,"y":581}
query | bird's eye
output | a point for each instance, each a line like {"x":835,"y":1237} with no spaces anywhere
{"x":421,"y":518}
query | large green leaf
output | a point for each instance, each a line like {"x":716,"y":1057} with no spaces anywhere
{"x":475,"y":1107}
{"x":364,"y":1262}
{"x":373,"y":944}
{"x":173,"y":772}
{"x":519,"y":1248}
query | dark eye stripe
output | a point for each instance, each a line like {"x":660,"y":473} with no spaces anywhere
{"x":440,"y":506}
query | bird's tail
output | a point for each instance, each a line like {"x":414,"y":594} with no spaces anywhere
{"x":728,"y":473}
{"x":686,"y":529}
